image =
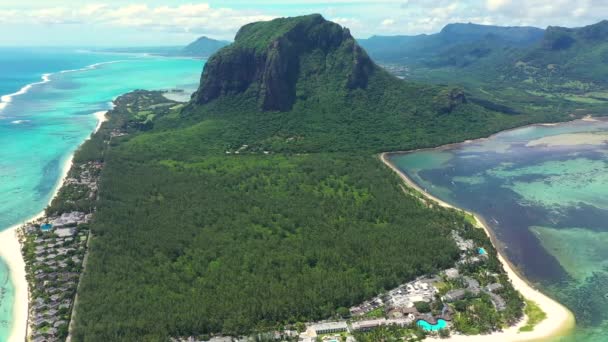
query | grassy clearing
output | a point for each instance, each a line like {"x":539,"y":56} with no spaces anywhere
{"x":376,"y":313}
{"x":470,"y":218}
{"x":535,"y":315}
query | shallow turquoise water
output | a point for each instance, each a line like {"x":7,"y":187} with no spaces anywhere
{"x":40,"y":129}
{"x":441,"y":324}
{"x":544,"y":192}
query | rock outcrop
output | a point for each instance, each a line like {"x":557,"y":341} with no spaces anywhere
{"x":268,"y":59}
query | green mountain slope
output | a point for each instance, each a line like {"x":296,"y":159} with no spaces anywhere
{"x":313,"y":88}
{"x":570,"y":54}
{"x":203,"y":47}
{"x":261,"y":203}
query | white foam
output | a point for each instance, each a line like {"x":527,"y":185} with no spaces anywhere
{"x":46,"y":78}
{"x":6,"y":99}
{"x":88,"y":67}
{"x":18,"y":122}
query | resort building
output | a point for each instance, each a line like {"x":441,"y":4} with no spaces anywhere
{"x":452,"y":273}
{"x":494,"y":287}
{"x":454,"y":295}
{"x":376,"y":323}
{"x":329,"y":327}
{"x":65,"y":232}
{"x":498,"y":301}
{"x":70,"y":219}
{"x":472,"y":285}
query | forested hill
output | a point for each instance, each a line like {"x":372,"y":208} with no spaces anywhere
{"x":203,"y":47}
{"x":570,"y":53}
{"x":261,"y":203}
{"x":304,"y":84}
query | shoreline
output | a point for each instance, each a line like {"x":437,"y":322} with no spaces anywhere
{"x":11,"y":252}
{"x":559,"y":321}
{"x":587,"y":118}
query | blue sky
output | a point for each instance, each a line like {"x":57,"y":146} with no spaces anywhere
{"x":177,"y":22}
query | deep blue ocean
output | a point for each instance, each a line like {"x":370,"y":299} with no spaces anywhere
{"x":48,"y":98}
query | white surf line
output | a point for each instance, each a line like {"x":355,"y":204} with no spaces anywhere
{"x":5,"y":100}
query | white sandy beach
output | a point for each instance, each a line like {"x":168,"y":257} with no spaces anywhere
{"x":101,"y":118}
{"x":10,"y":252}
{"x":559,"y":322}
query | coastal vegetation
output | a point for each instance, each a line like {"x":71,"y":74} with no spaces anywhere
{"x":534,"y":315}
{"x":252,"y":209}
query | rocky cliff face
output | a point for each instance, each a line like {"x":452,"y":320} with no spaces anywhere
{"x":268,"y":59}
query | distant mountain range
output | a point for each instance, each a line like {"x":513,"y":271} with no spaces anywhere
{"x":203,"y":47}
{"x":456,"y":44}
{"x":525,"y":69}
{"x":578,"y":53}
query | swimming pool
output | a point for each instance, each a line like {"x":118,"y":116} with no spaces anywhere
{"x":426,"y":326}
{"x":482,"y":251}
{"x":46,"y":227}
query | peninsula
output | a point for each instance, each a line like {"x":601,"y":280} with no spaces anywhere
{"x":259,"y":207}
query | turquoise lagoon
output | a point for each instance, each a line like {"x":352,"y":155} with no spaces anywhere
{"x":543,"y":190}
{"x":44,"y":123}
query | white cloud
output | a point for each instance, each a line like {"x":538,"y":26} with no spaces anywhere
{"x":195,"y":18}
{"x":363,"y":17}
{"x":350,"y":23}
{"x":579,"y":12}
{"x":494,"y":5}
{"x":445,"y":11}
{"x":388,"y":22}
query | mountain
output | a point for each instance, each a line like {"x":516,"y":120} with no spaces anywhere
{"x":203,"y":47}
{"x":570,"y":53}
{"x":316,"y":71}
{"x":522,"y":69}
{"x":262,"y":202}
{"x":456,"y":44}
{"x":267,"y":60}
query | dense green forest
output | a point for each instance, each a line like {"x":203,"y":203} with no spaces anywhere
{"x":225,"y":216}
{"x":234,"y":243}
